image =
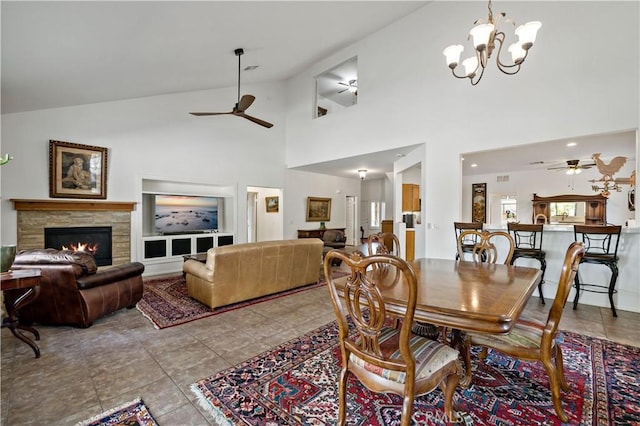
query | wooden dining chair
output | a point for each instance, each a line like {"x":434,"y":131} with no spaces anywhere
{"x":384,"y":243}
{"x":535,"y":341}
{"x":485,"y":249}
{"x":386,"y":359}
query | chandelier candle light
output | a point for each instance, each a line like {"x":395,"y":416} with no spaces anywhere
{"x":485,"y":36}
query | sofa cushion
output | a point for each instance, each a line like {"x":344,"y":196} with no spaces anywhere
{"x":61,"y":257}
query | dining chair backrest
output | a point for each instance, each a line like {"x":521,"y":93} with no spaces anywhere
{"x":485,"y":249}
{"x":384,"y":243}
{"x":599,"y":240}
{"x":460,"y":227}
{"x":572,"y":259}
{"x":526,"y":236}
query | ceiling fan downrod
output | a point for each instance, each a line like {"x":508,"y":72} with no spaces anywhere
{"x":239,"y":52}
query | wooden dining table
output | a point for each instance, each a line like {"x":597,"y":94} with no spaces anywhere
{"x":465,"y":296}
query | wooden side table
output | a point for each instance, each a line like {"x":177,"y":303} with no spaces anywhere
{"x":25,"y":283}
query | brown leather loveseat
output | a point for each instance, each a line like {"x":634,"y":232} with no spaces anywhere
{"x":241,"y":272}
{"x":73,"y":291}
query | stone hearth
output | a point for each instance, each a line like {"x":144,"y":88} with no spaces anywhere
{"x":35,"y":215}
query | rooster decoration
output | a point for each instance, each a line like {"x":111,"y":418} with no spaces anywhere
{"x":607,"y":171}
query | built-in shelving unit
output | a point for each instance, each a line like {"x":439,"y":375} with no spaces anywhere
{"x":163,"y":252}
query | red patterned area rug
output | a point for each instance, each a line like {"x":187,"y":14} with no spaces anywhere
{"x":296,"y":384}
{"x":133,"y":413}
{"x":165,"y":301}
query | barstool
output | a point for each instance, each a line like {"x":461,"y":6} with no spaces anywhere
{"x":601,"y":247}
{"x":528,"y":240}
{"x":469,"y":242}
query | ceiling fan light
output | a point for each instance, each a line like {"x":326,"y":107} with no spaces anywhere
{"x":578,"y":171}
{"x":527,"y":33}
{"x":570,"y":171}
{"x":362,"y":173}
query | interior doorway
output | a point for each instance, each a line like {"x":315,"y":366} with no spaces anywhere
{"x":351,"y":225}
{"x":264,"y":214}
{"x":252,"y":219}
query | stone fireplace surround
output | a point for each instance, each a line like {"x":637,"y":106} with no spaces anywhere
{"x":35,"y":215}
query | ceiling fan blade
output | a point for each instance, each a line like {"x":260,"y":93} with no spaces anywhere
{"x":343,"y":90}
{"x":245,"y":102}
{"x":256,"y":120}
{"x":200,"y":114}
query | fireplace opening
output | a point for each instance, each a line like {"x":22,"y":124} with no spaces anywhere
{"x":95,"y":240}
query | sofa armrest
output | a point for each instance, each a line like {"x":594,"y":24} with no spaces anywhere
{"x":198,"y":269}
{"x":112,"y":275}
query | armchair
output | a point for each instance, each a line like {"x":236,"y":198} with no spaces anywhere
{"x":333,"y":239}
{"x":73,"y":291}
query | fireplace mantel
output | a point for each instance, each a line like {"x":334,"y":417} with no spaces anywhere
{"x":72,"y":205}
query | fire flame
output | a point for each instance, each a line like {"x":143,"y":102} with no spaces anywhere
{"x":85,"y":247}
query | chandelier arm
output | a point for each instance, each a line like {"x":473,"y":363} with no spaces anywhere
{"x":453,"y":71}
{"x":509,"y":69}
{"x":479,"y":78}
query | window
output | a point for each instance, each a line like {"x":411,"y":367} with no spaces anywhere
{"x":509,"y":209}
{"x":377,"y":213}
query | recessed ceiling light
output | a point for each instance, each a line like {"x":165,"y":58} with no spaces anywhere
{"x":572,"y":144}
{"x":474,"y":165}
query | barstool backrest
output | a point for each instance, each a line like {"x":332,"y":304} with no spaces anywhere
{"x":460,"y":227}
{"x":526,"y":236}
{"x":599,"y":240}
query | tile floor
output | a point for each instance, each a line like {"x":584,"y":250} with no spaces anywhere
{"x":83,"y":372}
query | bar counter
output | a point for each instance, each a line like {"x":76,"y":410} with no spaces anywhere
{"x":555,"y":241}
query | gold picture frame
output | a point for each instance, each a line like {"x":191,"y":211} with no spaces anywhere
{"x":77,"y":170}
{"x":272,"y":204}
{"x":318,"y":209}
{"x":479,"y":202}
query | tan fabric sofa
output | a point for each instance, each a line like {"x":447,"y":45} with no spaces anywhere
{"x":241,"y":272}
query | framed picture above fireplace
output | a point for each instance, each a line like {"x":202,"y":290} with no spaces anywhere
{"x":77,"y":171}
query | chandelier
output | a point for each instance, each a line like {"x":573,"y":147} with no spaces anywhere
{"x":485,"y":36}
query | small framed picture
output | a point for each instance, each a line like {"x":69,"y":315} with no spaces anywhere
{"x":272,"y":204}
{"x":318,"y":209}
{"x":77,"y":171}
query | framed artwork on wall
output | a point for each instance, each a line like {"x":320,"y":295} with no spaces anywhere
{"x":272,"y":204}
{"x":77,"y":171}
{"x":318,"y":209}
{"x":479,"y":202}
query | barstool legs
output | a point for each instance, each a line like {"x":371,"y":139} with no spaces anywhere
{"x":611,"y":289}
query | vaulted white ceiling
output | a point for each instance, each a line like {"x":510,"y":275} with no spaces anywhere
{"x":62,"y":53}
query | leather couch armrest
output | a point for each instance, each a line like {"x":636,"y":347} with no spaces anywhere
{"x":198,"y":269}
{"x":109,"y":276}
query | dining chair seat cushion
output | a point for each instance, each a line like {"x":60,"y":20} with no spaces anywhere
{"x":525,"y":334}
{"x":430,"y":356}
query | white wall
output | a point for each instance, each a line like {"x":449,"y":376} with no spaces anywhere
{"x":300,"y":185}
{"x":151,"y":138}
{"x":575,"y":82}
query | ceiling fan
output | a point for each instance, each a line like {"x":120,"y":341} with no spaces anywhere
{"x":573,"y":167}
{"x":243,"y":103}
{"x":351,"y":86}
